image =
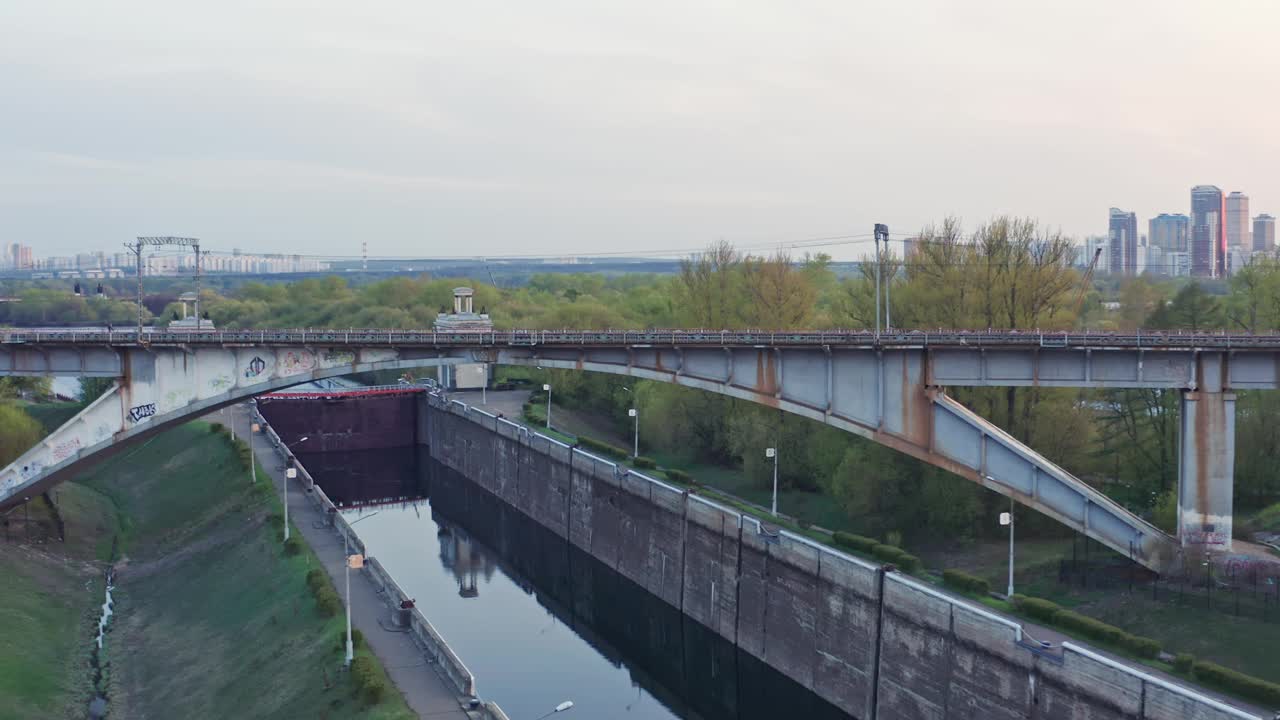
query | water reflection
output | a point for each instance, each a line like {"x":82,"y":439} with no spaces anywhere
{"x":589,"y":634}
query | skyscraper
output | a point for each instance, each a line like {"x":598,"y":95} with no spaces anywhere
{"x":1123,"y":241}
{"x":1238,"y":234}
{"x":1208,"y":232}
{"x":1168,"y":232}
{"x":1264,"y":233}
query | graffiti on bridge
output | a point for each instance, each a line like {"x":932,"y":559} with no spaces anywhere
{"x":140,"y":412}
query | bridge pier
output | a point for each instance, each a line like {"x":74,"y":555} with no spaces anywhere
{"x":1206,"y":468}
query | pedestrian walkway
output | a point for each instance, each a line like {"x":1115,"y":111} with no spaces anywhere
{"x":428,"y":694}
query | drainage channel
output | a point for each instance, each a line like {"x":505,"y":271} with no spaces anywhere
{"x":97,"y":655}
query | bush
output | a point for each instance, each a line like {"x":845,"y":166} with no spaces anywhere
{"x":362,"y":670}
{"x":216,"y":428}
{"x":964,"y":582}
{"x":1038,"y":609}
{"x":886,"y":553}
{"x":316,"y":579}
{"x":328,"y":602}
{"x":374,"y":691}
{"x":293,"y":546}
{"x":854,"y":542}
{"x":1184,"y":662}
{"x":1143,"y":647}
{"x":908,"y":562}
{"x":1256,"y":689}
{"x":645,"y":463}
{"x":680,"y":476}
{"x":357,"y":639}
{"x":602,"y":448}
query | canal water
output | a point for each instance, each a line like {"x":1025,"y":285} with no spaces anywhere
{"x":535,"y":619}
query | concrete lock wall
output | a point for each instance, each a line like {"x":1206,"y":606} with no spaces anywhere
{"x":875,"y":644}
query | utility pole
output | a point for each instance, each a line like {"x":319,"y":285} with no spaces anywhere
{"x":877,"y":235}
{"x":882,"y":235}
{"x":136,"y":248}
{"x":1007,"y":519}
{"x":548,"y":389}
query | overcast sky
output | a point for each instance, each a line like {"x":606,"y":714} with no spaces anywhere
{"x":560,"y":126}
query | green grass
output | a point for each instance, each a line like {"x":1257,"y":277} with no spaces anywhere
{"x":212,"y":617}
{"x":46,"y":616}
{"x":1244,"y":644}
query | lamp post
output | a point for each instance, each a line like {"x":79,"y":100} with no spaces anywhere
{"x":634,"y":412}
{"x":254,"y":429}
{"x":773,"y":453}
{"x":349,"y":561}
{"x":547,"y":388}
{"x":566,"y":705}
{"x":289,"y":473}
{"x":1007,"y":519}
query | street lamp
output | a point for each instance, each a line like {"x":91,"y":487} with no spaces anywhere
{"x":566,"y":705}
{"x":290,"y":473}
{"x":1006,"y":518}
{"x":547,"y":388}
{"x":773,"y":453}
{"x":634,"y":413}
{"x":356,"y":561}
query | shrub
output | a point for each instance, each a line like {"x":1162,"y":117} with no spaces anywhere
{"x":908,"y":562}
{"x":1253,"y":688}
{"x":1039,"y":609}
{"x":216,"y":428}
{"x":680,"y":476}
{"x":854,"y":542}
{"x":645,"y":463}
{"x":328,"y":602}
{"x":602,"y":448}
{"x":316,"y":579}
{"x":1142,"y":646}
{"x":362,"y":670}
{"x":293,"y":546}
{"x":964,"y":582}
{"x":1184,"y":662}
{"x":357,"y":639}
{"x":374,"y":691}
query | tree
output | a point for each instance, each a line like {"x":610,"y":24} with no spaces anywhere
{"x":779,"y":295}
{"x":18,"y":432}
{"x":1191,"y":309}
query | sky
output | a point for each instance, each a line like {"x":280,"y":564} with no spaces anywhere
{"x":568,"y":126}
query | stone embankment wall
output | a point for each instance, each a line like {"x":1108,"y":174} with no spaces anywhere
{"x":876,"y":644}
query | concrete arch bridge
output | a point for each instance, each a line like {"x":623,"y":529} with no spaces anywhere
{"x":889,"y":388}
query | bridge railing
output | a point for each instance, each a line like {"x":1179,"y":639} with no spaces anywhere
{"x":614,"y":338}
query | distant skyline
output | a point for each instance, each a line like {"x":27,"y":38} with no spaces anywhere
{"x":562,"y":127}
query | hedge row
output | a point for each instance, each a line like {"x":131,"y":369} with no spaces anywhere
{"x":680,"y":476}
{"x":1050,"y":613}
{"x":854,"y":542}
{"x":357,"y":639}
{"x":364,"y":676}
{"x":964,"y":582}
{"x":603,"y":448}
{"x":645,"y":463}
{"x":1248,"y":686}
{"x":896,"y":555}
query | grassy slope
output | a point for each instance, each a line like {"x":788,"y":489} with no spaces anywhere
{"x":214,"y":621}
{"x":46,"y":619}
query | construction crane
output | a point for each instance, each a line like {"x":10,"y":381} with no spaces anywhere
{"x":1088,"y":278}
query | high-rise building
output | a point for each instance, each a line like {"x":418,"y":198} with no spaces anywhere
{"x":1168,"y":232}
{"x":1264,"y":233}
{"x":1238,"y":231}
{"x":1122,"y":239}
{"x":1208,"y":232}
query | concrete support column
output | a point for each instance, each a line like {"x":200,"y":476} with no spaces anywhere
{"x":1206,"y":469}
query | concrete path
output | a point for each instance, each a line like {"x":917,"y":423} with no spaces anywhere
{"x":428,"y":694}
